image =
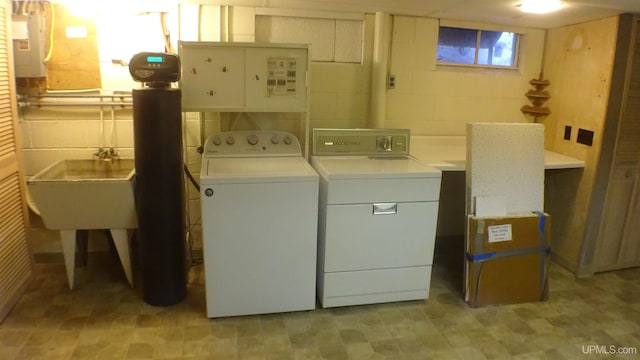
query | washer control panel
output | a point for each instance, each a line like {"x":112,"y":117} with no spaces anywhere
{"x":370,"y":142}
{"x":252,"y":143}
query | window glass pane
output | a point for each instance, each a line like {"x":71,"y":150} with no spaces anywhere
{"x":457,"y":45}
{"x":497,"y":48}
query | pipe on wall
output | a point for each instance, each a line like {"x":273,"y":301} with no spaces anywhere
{"x":381,"y":49}
{"x":38,"y":104}
{"x":76,"y":99}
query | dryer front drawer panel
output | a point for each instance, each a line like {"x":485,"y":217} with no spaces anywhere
{"x":379,"y":236}
{"x":359,"y":191}
{"x":358,"y":283}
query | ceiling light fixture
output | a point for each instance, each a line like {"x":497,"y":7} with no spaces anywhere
{"x":540,"y":6}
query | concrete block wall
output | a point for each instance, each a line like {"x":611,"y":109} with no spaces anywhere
{"x":433,"y":99}
{"x":428,"y":99}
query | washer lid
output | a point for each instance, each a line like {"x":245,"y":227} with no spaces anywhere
{"x":264,"y":169}
{"x":363,"y":167}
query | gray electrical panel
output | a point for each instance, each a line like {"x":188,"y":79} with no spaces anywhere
{"x":28,"y":46}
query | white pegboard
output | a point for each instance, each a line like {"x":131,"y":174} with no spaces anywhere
{"x":505,"y":159}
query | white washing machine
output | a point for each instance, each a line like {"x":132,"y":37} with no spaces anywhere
{"x":259,"y":217}
{"x":377,"y":217}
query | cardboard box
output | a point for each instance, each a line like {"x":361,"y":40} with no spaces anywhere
{"x":506,"y":259}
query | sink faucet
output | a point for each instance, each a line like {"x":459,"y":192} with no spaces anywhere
{"x":106,"y":154}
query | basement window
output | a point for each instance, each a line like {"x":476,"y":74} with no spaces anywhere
{"x":474,"y":47}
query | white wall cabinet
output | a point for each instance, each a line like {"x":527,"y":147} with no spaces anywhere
{"x":241,"y":77}
{"x":228,"y":77}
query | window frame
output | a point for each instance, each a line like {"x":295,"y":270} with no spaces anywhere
{"x":475,"y":64}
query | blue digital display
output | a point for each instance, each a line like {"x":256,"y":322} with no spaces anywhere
{"x":155,"y":59}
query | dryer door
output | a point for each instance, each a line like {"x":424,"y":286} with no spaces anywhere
{"x":379,"y":236}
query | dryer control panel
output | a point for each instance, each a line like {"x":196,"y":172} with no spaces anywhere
{"x":252,"y":143}
{"x":369,"y":142}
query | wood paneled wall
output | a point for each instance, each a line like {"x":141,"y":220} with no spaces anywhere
{"x":578,"y":63}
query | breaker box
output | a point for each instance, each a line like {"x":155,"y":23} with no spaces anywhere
{"x":243,"y":76}
{"x":28,"y":33}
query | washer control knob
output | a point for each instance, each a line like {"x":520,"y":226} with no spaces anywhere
{"x":252,"y":139}
{"x":275,"y":139}
{"x":217,"y":141}
{"x":287,"y":140}
{"x":230,"y":140}
{"x":208,"y":192}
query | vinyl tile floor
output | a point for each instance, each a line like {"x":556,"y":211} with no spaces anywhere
{"x":103,"y":318}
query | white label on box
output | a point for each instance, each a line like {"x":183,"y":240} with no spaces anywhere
{"x":499,"y":233}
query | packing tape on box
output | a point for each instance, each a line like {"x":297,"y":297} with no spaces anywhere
{"x":543,"y":249}
{"x":541,"y":222}
{"x":480,"y":256}
{"x":506,"y":253}
{"x":543,"y":259}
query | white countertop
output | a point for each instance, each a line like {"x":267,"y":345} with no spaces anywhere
{"x":449,"y":153}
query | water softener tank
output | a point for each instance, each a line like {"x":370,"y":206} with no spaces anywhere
{"x":159,"y":186}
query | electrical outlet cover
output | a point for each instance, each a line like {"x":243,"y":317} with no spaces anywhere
{"x":585,"y":137}
{"x":567,"y":132}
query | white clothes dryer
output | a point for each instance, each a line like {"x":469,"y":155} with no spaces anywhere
{"x":259,"y":200}
{"x":377,"y":217}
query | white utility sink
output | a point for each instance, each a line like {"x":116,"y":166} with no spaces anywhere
{"x":87,"y":194}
